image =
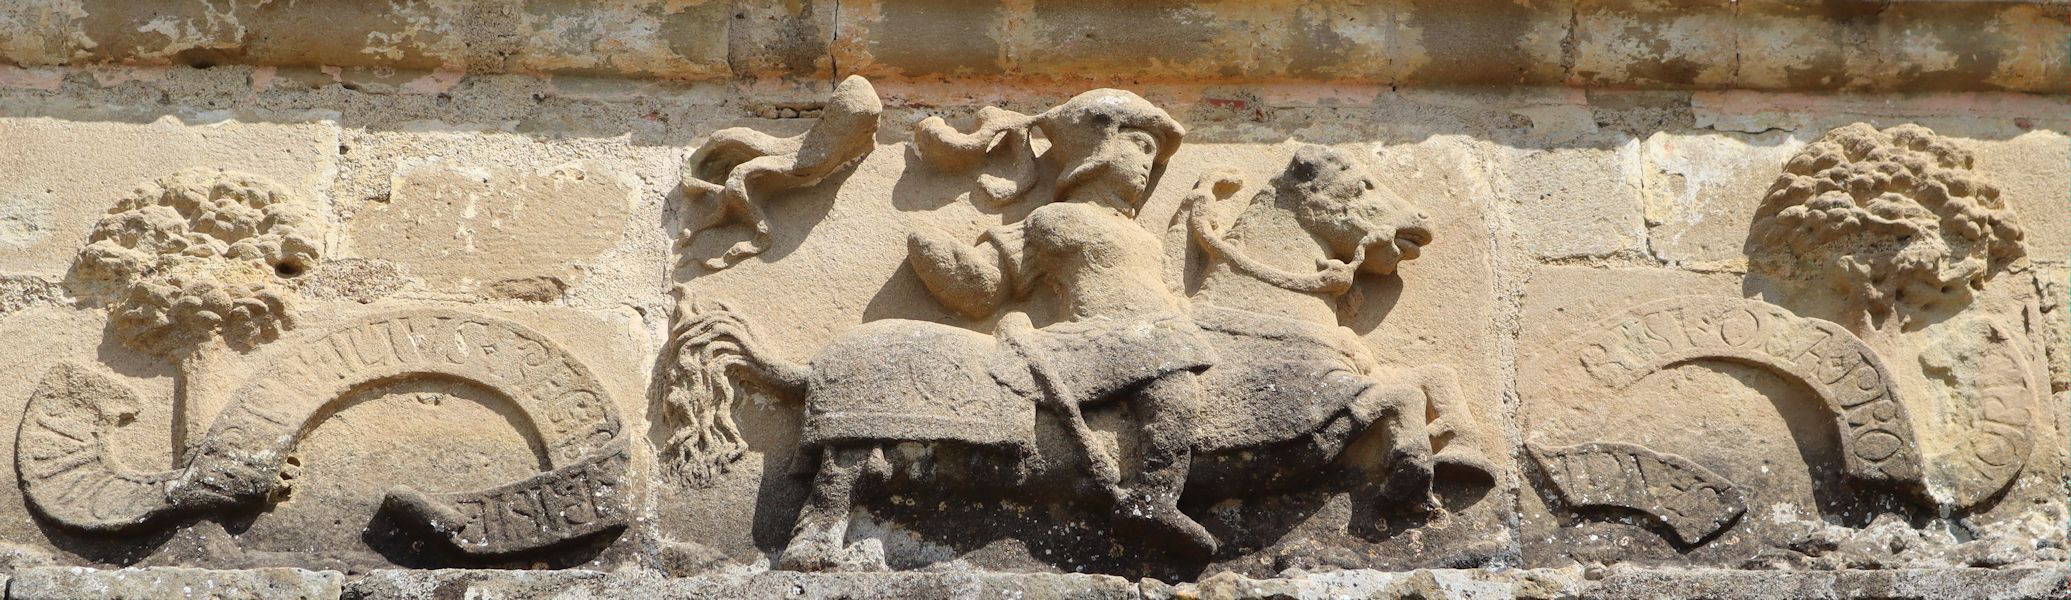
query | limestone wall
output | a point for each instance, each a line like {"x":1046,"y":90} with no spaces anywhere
{"x":1585,"y":298}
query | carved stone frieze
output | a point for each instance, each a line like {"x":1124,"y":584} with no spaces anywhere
{"x":1848,"y":378}
{"x":1250,"y":388}
{"x":1203,"y":334}
{"x":1894,"y":234}
{"x":1876,"y":256}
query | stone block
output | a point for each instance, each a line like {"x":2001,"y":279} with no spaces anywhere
{"x":73,"y":583}
{"x":1688,"y":412}
{"x":930,"y":38}
{"x":1338,"y":299}
{"x":777,"y":39}
{"x":1702,"y":191}
{"x":1578,"y":201}
{"x":2024,"y":168}
{"x":467,"y":228}
{"x":1486,"y":41}
{"x":63,"y":176}
{"x":1645,"y":41}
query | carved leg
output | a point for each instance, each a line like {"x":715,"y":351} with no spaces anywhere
{"x":1407,"y":463}
{"x":1149,"y":504}
{"x":817,"y":541}
{"x":1455,"y":433}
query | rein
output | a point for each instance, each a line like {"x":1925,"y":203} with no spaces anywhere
{"x":1332,"y":276}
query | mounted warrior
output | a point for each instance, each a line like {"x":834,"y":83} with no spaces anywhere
{"x":1119,"y":333}
{"x":1255,"y":390}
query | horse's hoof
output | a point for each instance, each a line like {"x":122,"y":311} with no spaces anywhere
{"x":808,"y":557}
{"x":864,"y":556}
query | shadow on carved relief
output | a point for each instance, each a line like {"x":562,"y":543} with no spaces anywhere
{"x":1129,"y":427}
{"x":192,"y":269}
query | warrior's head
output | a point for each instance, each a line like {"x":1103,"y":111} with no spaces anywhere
{"x":1108,"y":141}
{"x":1104,"y":146}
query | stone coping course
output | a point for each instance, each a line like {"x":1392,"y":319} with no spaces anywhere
{"x":1854,"y":45}
{"x":1617,"y":581}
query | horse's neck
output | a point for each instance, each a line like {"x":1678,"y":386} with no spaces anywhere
{"x":1273,"y":237}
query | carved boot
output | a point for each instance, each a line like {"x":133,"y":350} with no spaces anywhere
{"x":1155,"y":517}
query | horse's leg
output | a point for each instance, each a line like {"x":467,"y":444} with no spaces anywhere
{"x":817,"y":541}
{"x":1455,"y":433}
{"x":1407,"y":462}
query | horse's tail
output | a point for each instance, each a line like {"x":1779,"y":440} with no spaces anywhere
{"x":710,"y":351}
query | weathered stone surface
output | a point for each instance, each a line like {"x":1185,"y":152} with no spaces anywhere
{"x":895,"y":299}
{"x":1696,"y":191}
{"x":63,"y":176}
{"x":1595,"y":210}
{"x":174,"y":582}
{"x":1769,"y":44}
{"x":1901,"y":583}
{"x":463,"y":229}
{"x":1615,"y":583}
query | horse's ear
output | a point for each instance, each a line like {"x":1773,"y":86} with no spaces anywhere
{"x":1312,"y":163}
{"x":1301,"y":171}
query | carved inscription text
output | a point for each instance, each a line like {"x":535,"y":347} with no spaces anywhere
{"x":1846,"y":375}
{"x":1693,"y":501}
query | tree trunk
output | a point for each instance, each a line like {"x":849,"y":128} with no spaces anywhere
{"x":195,"y":397}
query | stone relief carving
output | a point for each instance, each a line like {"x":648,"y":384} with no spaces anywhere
{"x":1879,"y":257}
{"x":192,"y":265}
{"x":1849,"y":379}
{"x":1894,"y":222}
{"x":1694,"y":502}
{"x":1254,"y":388}
{"x":68,"y":476}
{"x":1877,"y":244}
{"x":1893,"y":234}
{"x":739,"y":169}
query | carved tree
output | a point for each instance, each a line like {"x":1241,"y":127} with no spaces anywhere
{"x":1895,"y":220}
{"x":196,"y":263}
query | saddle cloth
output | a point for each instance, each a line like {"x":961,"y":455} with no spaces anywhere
{"x":898,"y":380}
{"x":1280,"y":378}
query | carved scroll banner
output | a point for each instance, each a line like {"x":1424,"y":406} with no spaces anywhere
{"x":61,"y":462}
{"x":1988,"y":387}
{"x":1693,"y":501}
{"x":67,"y":476}
{"x":1850,"y":380}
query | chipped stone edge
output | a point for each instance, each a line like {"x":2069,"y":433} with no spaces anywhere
{"x":1618,"y":581}
{"x":1559,"y":43}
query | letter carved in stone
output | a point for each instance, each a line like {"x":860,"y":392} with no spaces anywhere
{"x":1894,"y":234}
{"x":237,"y":464}
{"x":1694,"y":502}
{"x":1849,"y":379}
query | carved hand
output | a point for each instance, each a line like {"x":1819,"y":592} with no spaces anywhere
{"x":958,"y":275}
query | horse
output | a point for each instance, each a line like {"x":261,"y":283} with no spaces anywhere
{"x":895,"y":403}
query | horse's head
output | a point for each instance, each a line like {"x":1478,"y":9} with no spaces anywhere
{"x":1333,"y":197}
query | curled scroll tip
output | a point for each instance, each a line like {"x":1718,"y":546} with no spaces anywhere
{"x":740,"y":170}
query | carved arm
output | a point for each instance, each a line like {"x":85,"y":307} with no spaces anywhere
{"x":968,"y":279}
